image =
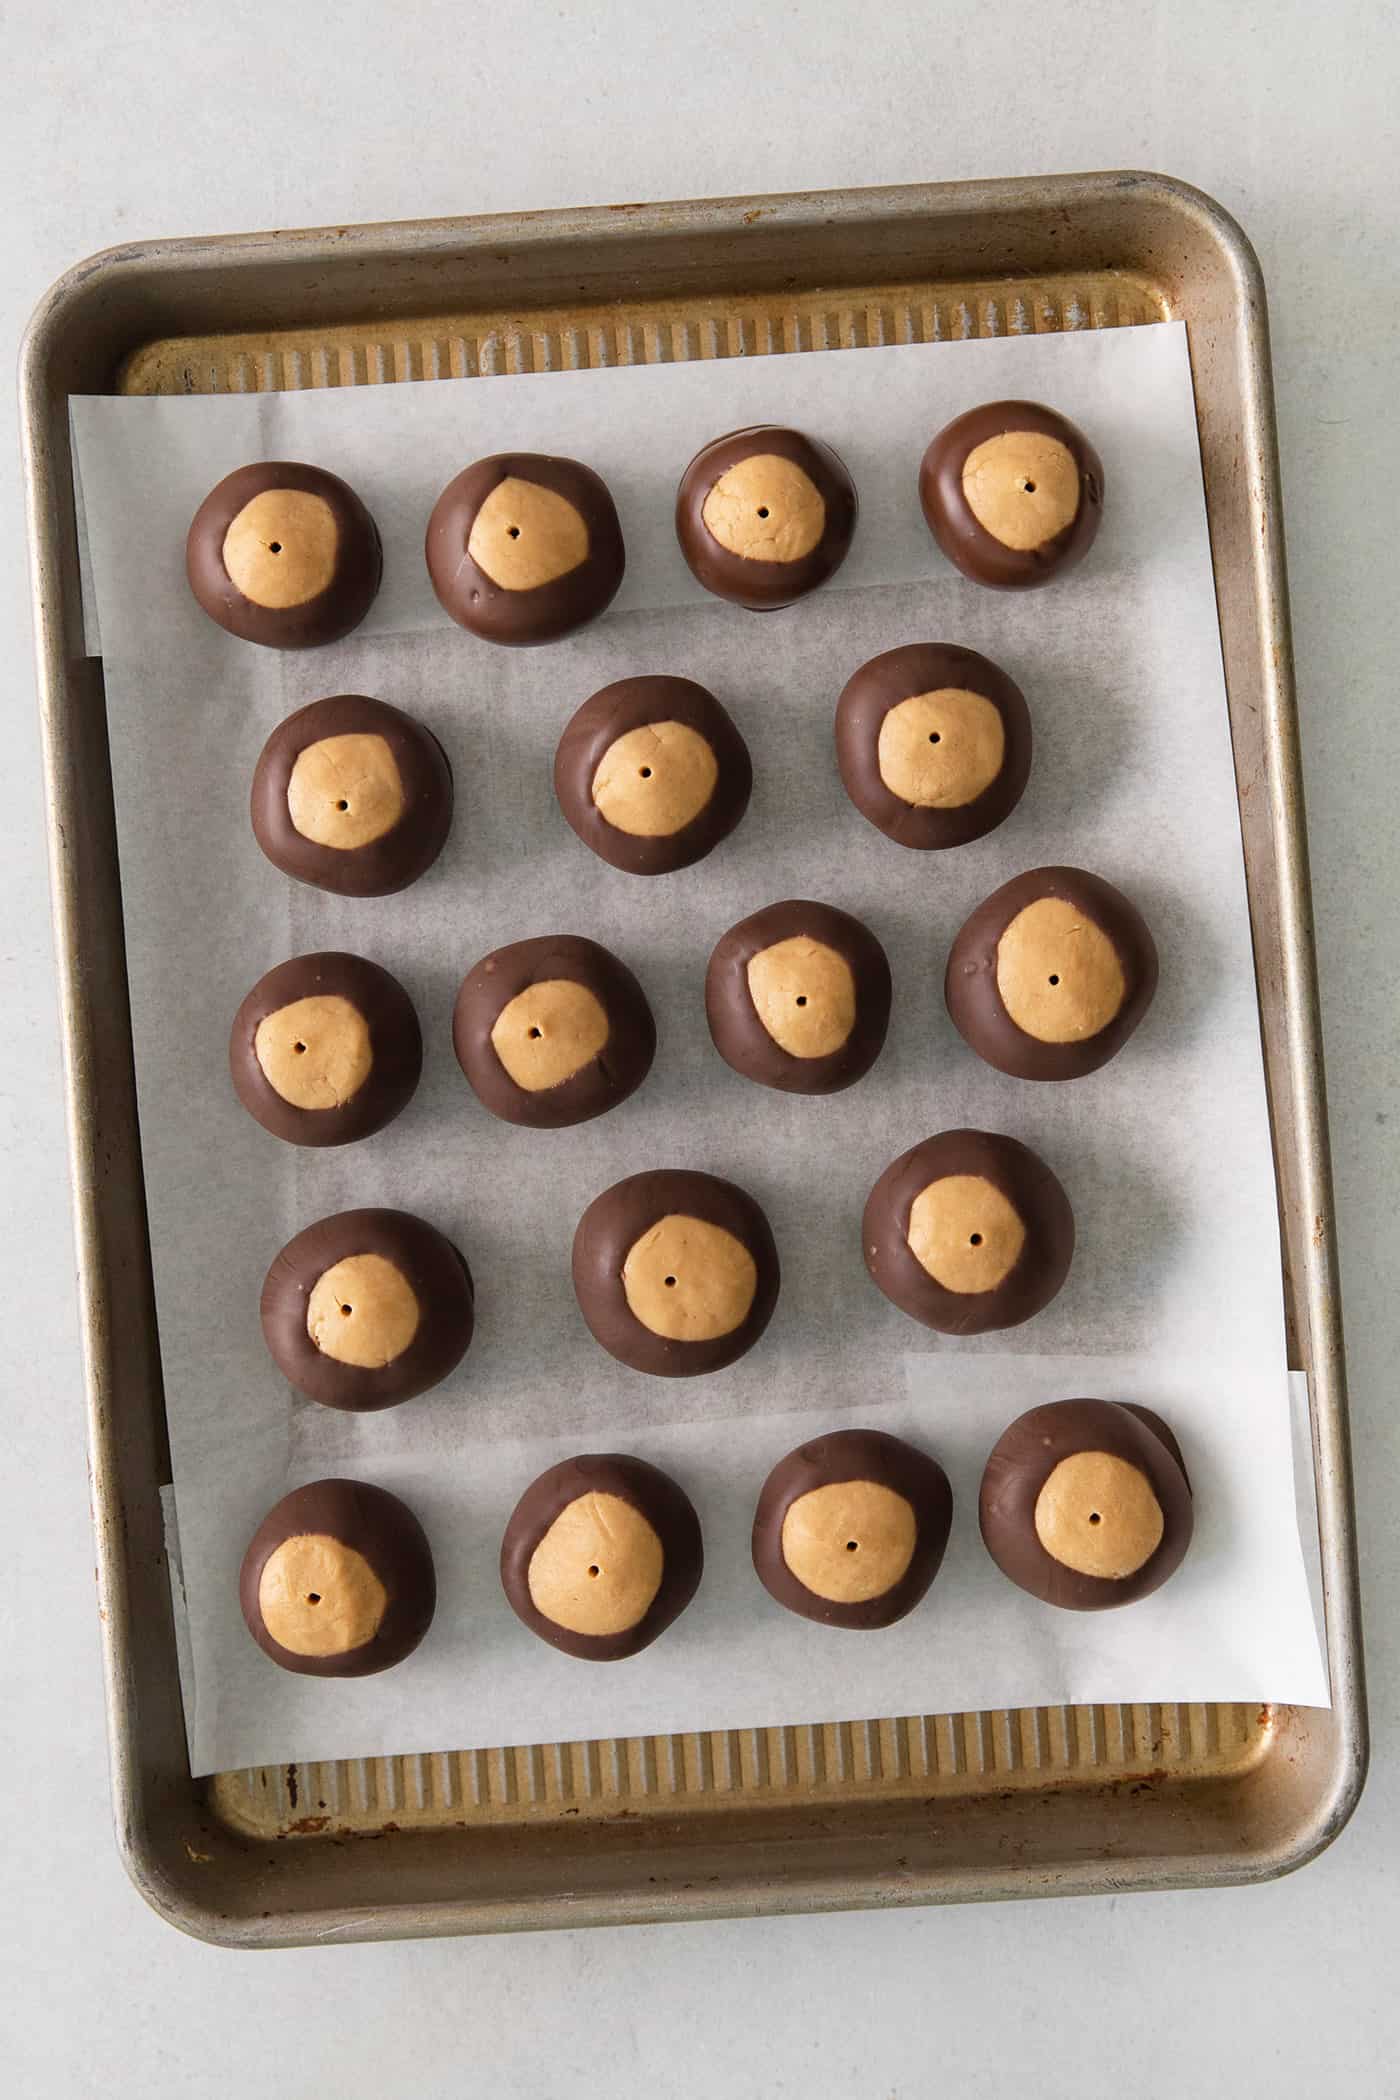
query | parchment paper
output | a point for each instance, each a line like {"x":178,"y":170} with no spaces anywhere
{"x":1175,"y":1294}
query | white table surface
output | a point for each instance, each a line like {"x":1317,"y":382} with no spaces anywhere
{"x":194,"y":116}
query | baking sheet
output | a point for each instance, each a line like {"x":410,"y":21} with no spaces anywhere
{"x":1175,"y":1296}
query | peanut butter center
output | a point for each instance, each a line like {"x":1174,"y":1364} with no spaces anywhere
{"x":345,"y":791}
{"x":1098,"y":1515}
{"x":314,"y":1052}
{"x":688,"y":1281}
{"x":804,"y":994}
{"x":1058,"y":973}
{"x":1022,"y":488}
{"x":597,"y":1568}
{"x":362,"y":1311}
{"x":281,"y":548}
{"x":941,"y":750}
{"x":765,"y":509}
{"x":655,"y":780}
{"x":318,"y":1596}
{"x":548,"y":1032}
{"x":963,"y":1230}
{"x":849,"y":1541}
{"x":526,"y":535}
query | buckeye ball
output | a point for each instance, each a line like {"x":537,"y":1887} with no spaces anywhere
{"x":933,"y":744}
{"x":284,"y":554}
{"x":600,"y":1555}
{"x":676,"y":1273}
{"x":652,"y":774}
{"x":523,"y":548}
{"x":765,"y":515}
{"x":325,"y":1049}
{"x":798,"y":997}
{"x":1086,"y":1503}
{"x":552,"y":1031}
{"x":367,"y":1308}
{"x":851,"y":1529}
{"x":1012,"y":493}
{"x":352,"y":795}
{"x":1051,"y":974}
{"x":968,"y":1232}
{"x":338,"y":1580}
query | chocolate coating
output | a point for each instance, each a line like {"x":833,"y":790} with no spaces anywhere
{"x":328,"y":616}
{"x":762,"y":586}
{"x":637,"y":703}
{"x":656,"y":1497}
{"x":961,"y":535}
{"x":384,"y":864}
{"x":854,"y":1455}
{"x":432,"y":1268}
{"x":1032,"y":1191}
{"x":396,"y":1048}
{"x":1027,"y":1454}
{"x":616,"y":1071}
{"x":520,"y":618}
{"x":974,"y":998}
{"x":373,"y":1523}
{"x":616,"y":1220}
{"x":739,"y":1034}
{"x":898,"y":675}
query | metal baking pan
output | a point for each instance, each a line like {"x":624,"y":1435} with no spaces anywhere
{"x":877,"y":1811}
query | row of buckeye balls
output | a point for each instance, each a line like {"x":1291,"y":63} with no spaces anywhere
{"x":933,"y":745}
{"x":523,"y":548}
{"x":1085,"y":1504}
{"x":1046,"y":980}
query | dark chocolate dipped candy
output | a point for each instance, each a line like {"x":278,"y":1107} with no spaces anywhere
{"x":1012,"y":493}
{"x":284,"y":554}
{"x":968,"y":1232}
{"x":798,"y":997}
{"x":325,"y":1049}
{"x":600,"y":1555}
{"x":676,"y":1273}
{"x":1051,"y":974}
{"x":352,"y":795}
{"x":367,"y":1308}
{"x":338,"y":1580}
{"x":523,"y":548}
{"x":552,"y":1031}
{"x":851,"y":1528}
{"x":765,"y":515}
{"x":933,"y":744}
{"x":652,"y":774}
{"x":1086,"y":1503}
